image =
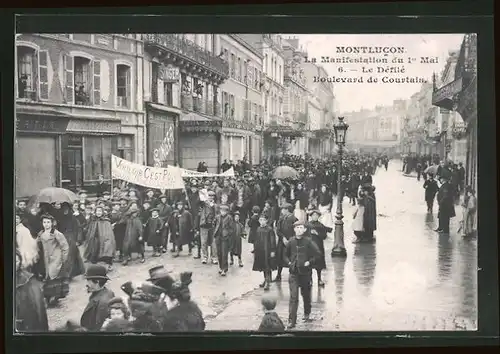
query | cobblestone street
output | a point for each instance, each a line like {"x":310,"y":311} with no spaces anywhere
{"x":412,"y":279}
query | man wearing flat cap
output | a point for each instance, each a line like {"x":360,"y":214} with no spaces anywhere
{"x":300,"y":255}
{"x":284,"y":231}
{"x":207,"y":219}
{"x":223,"y":232}
{"x":96,"y":311}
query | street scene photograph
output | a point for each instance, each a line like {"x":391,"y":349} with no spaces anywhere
{"x":269,"y":183}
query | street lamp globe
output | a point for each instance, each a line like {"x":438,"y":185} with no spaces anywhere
{"x":340,"y":131}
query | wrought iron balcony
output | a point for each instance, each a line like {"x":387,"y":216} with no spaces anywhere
{"x":190,"y":51}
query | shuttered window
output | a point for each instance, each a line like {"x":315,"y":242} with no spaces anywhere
{"x":97,"y":82}
{"x":43,"y":75}
{"x":69,"y":85}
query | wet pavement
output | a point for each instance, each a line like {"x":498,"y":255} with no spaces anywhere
{"x":411,"y":279}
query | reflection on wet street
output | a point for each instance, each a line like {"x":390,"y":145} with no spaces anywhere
{"x":412,"y":278}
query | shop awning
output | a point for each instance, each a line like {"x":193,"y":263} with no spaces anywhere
{"x":284,"y":131}
{"x":162,"y":108}
{"x":443,"y":97}
{"x":194,"y":122}
{"x":40,"y":111}
{"x":323,"y":133}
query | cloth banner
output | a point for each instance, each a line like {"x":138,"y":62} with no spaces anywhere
{"x":189,"y":173}
{"x":151,"y":177}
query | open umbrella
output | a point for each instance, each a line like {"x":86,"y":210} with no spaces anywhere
{"x":54,"y":195}
{"x":431,"y":170}
{"x":283,"y":172}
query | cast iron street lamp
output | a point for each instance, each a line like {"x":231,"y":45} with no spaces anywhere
{"x":338,"y":245}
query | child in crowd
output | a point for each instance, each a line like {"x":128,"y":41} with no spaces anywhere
{"x":271,"y":322}
{"x":239,"y":233}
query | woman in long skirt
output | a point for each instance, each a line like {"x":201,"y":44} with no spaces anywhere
{"x":324,"y":206}
{"x":265,"y":251}
{"x":470,"y":208}
{"x":318,"y":233}
{"x":55,"y":250}
{"x":357,"y":222}
{"x":70,"y":227}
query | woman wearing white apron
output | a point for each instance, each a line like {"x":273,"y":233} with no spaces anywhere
{"x":357,"y":222}
{"x":325,"y":199}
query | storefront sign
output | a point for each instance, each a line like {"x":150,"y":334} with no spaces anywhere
{"x":171,"y":74}
{"x":161,"y":142}
{"x":151,"y":177}
{"x":448,"y":91}
{"x":95,"y":126}
{"x":41,"y":124}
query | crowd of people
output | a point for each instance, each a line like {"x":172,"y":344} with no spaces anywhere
{"x":285,"y":219}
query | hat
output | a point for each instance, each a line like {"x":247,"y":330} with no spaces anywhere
{"x":255,"y":209}
{"x":155,"y":209}
{"x":211,"y":193}
{"x":224,"y":206}
{"x":314,"y":211}
{"x":298,"y":223}
{"x":82,"y":191}
{"x":147,"y":293}
{"x":128,"y":288}
{"x":106,"y":193}
{"x":115,"y":202}
{"x":149,"y":190}
{"x":158,"y":272}
{"x":286,"y":206}
{"x":132,"y":189}
{"x":133,"y":199}
{"x":181,"y":203}
{"x":116,"y":303}
{"x":123,"y":198}
{"x":162,"y":196}
{"x":96,"y":271}
{"x":236,"y":212}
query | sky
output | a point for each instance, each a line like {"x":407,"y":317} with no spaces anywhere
{"x":354,"y":96}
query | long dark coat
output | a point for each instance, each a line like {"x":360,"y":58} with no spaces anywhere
{"x":97,"y":310}
{"x":165,"y":211}
{"x":302,"y":197}
{"x":70,"y":228}
{"x":186,"y":228}
{"x":284,"y":230}
{"x":253,"y":225}
{"x":187,"y":317}
{"x":133,"y":231}
{"x":445,"y":201}
{"x":322,"y":232}
{"x":239,"y":232}
{"x":265,"y":243}
{"x":431,"y":188}
{"x":100,"y":240}
{"x":153,"y":232}
{"x":370,"y":215}
{"x":31,"y":315}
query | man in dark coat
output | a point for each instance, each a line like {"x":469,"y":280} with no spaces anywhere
{"x":370,"y":214}
{"x":284,"y":231}
{"x":185,"y":229}
{"x":30,"y":312}
{"x":318,"y":233}
{"x":101,"y":187}
{"x":223,"y":233}
{"x":195,"y":205}
{"x":207,"y":218}
{"x":431,"y":187}
{"x":153,"y":232}
{"x":300,"y":255}
{"x":446,"y":205}
{"x":97,"y":309}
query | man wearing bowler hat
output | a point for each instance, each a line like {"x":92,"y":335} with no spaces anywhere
{"x":159,"y":276}
{"x":445,"y":201}
{"x":96,"y":311}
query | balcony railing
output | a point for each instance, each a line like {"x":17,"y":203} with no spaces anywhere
{"x":200,"y":105}
{"x":190,"y":50}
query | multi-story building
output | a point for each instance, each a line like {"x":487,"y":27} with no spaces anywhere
{"x":78,"y":102}
{"x":295,"y":103}
{"x":460,"y":95}
{"x":242,"y":100}
{"x":320,"y":139}
{"x":182,"y":78}
{"x":277,"y":134}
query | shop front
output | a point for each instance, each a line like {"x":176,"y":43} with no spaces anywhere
{"x":237,"y":141}
{"x":200,"y":140}
{"x":162,"y":135}
{"x":59,"y":150}
{"x":37,"y":147}
{"x":279,"y":140}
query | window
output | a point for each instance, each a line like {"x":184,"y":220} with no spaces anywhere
{"x":257,"y":79}
{"x":250,"y":76}
{"x":231,"y":106}
{"x":26,"y":72}
{"x":233,"y":65}
{"x":279,"y":74}
{"x":97,"y":157}
{"x":155,"y":72}
{"x":254,"y":117}
{"x":266,"y":65}
{"x":123,"y":85}
{"x":82,"y":80}
{"x":125,"y":147}
{"x":225,"y":103}
{"x":169,"y":93}
{"x":239,"y":70}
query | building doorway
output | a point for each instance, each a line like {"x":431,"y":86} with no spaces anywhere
{"x":72,"y":162}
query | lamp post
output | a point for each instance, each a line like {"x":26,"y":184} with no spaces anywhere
{"x":338,"y":245}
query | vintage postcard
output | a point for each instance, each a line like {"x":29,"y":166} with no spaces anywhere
{"x":187,"y":182}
